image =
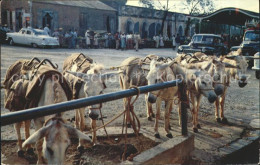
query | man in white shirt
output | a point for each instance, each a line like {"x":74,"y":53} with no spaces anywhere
{"x":46,"y":29}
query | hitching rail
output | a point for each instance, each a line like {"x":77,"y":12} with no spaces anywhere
{"x":28,"y":114}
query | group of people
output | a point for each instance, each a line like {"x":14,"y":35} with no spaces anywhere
{"x":117,"y":40}
{"x":68,"y":38}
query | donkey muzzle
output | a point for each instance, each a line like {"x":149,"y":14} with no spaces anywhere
{"x":151,"y":98}
{"x":93,"y":115}
{"x":212,"y":97}
{"x":219,"y":89}
{"x":242,"y":81}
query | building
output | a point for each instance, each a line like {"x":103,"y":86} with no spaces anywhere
{"x":81,"y":15}
{"x":148,"y":22}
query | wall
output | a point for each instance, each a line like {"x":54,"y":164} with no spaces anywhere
{"x":68,"y":17}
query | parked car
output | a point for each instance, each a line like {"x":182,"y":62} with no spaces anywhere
{"x":250,"y":44}
{"x":209,"y":44}
{"x":33,"y":37}
{"x":256,"y":66}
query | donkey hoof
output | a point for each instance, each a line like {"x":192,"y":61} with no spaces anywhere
{"x":218,"y":120}
{"x":129,"y":125}
{"x":80,"y":148}
{"x":30,"y":151}
{"x":157,"y":135}
{"x":169,"y":135}
{"x":195,"y":130}
{"x":20,"y":153}
{"x":153,"y":115}
{"x":224,"y":120}
{"x":198,"y":126}
{"x":149,"y":118}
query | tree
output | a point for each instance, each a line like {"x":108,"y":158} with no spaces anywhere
{"x":197,"y":7}
{"x":157,"y":5}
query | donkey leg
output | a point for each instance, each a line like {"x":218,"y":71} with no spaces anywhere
{"x":76,"y":124}
{"x":158,"y":107}
{"x":81,"y":123}
{"x":94,"y":134}
{"x":149,"y":110}
{"x":27,"y":125}
{"x":194,"y":126}
{"x":217,"y":110}
{"x":167,"y":118}
{"x":197,"y":112}
{"x":17,"y":127}
{"x":222,"y":102}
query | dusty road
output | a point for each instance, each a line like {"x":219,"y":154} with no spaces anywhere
{"x":241,"y":108}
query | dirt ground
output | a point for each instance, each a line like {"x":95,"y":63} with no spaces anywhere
{"x":241,"y":107}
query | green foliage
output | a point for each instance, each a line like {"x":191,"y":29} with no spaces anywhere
{"x":198,"y":7}
{"x":147,"y":3}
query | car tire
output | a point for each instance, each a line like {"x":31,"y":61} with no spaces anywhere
{"x":257,"y":74}
{"x":11,"y":42}
{"x":34,"y":45}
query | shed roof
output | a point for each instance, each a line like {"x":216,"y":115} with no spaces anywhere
{"x":87,"y":4}
{"x":231,"y":16}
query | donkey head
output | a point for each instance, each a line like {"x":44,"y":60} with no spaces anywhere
{"x":158,"y":74}
{"x":94,"y":84}
{"x":56,"y":136}
{"x":241,"y":69}
{"x":203,"y":84}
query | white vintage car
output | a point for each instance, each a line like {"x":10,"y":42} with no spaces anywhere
{"x":33,"y":37}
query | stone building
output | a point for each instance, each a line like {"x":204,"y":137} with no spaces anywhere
{"x":148,"y":22}
{"x":81,"y":15}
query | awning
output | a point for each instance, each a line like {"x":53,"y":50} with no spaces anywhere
{"x":231,"y":16}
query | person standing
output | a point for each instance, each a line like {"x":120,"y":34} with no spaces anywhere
{"x":161,"y":41}
{"x":47,"y":30}
{"x":117,"y":40}
{"x":96,"y":41}
{"x":106,"y":40}
{"x":123,"y":41}
{"x":74,"y":38}
{"x":157,"y":40}
{"x":137,"y":39}
{"x":177,"y":40}
{"x":173,"y":42}
{"x":87,"y":39}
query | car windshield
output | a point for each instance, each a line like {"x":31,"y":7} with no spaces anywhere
{"x":203,"y":39}
{"x":252,"y":36}
{"x":39,"y":32}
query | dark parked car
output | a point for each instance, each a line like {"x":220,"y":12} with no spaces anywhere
{"x":250,"y":44}
{"x":209,"y":44}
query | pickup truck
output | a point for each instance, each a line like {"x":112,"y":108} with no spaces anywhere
{"x":256,"y":66}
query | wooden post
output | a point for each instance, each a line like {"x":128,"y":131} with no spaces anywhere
{"x":184,"y":105}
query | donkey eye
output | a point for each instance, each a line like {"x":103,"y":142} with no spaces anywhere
{"x":50,"y":150}
{"x":203,"y":83}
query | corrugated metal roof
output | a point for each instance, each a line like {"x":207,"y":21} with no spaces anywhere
{"x":88,"y":4}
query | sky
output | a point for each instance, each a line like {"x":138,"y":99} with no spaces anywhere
{"x":252,"y":5}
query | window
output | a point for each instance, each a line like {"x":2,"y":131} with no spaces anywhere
{"x":197,"y":39}
{"x":22,"y":31}
{"x":29,"y":32}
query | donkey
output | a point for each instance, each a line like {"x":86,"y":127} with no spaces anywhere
{"x":93,"y":84}
{"x":15,"y":90}
{"x":56,"y":134}
{"x":53,"y":90}
{"x":133,"y":71}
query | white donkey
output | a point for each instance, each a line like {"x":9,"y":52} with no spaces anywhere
{"x":159,"y":73}
{"x":51,"y":138}
{"x":93,"y":84}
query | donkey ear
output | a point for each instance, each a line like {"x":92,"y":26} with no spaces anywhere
{"x":73,"y":132}
{"x":36,"y":136}
{"x":78,"y":74}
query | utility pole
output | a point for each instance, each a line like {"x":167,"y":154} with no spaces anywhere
{"x":30,"y":6}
